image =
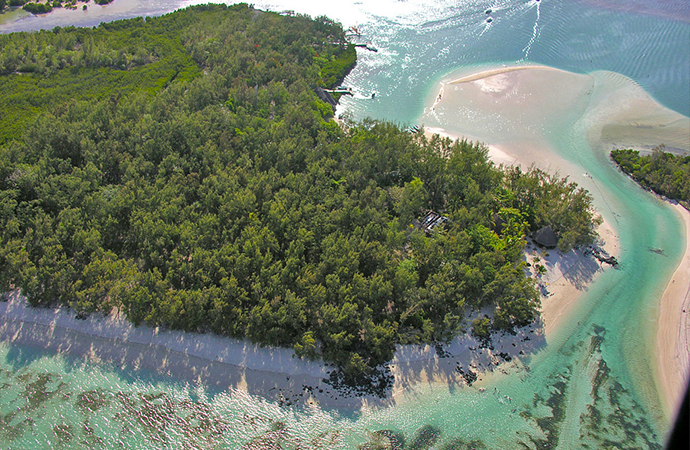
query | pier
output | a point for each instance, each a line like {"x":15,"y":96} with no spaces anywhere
{"x":368,"y":46}
{"x":340,"y":90}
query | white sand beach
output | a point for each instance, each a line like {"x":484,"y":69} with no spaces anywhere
{"x":224,"y":363}
{"x":568,"y":276}
{"x":674,"y":330}
{"x":216,"y":362}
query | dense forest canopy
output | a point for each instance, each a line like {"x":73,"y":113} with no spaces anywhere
{"x":664,"y":173}
{"x":182,"y":170}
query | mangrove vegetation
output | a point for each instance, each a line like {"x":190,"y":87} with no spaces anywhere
{"x":662,"y":172}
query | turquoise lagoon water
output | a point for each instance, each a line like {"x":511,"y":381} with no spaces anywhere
{"x":590,"y":387}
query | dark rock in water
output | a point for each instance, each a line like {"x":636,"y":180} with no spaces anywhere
{"x":611,"y":260}
{"x":376,"y":383}
{"x":598,"y":254}
{"x":506,"y":357}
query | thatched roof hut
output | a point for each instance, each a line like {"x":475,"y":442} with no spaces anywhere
{"x":545,"y":237}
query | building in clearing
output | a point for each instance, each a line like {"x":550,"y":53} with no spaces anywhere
{"x":431,"y":221}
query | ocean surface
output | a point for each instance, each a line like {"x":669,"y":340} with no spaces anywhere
{"x":592,"y":386}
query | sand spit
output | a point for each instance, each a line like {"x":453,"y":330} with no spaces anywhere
{"x":493,"y":72}
{"x":623,"y":115}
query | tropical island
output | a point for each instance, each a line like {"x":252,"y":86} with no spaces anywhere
{"x":182,"y":170}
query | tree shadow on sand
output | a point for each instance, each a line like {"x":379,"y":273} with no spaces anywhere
{"x":464,"y":362}
{"x":275,"y":375}
{"x":577,"y":269}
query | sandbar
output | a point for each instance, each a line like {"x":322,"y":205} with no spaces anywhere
{"x":492,"y":72}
